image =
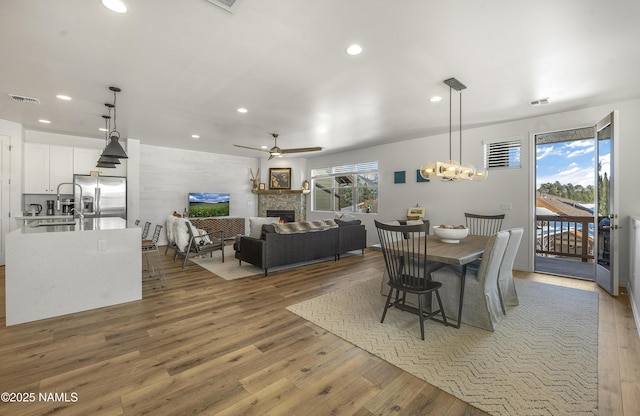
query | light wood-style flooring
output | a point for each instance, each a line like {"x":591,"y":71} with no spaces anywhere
{"x":204,"y":345}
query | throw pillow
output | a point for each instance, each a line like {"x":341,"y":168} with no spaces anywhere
{"x":256,"y":223}
{"x":343,"y":223}
{"x":345,"y":217}
{"x":415,"y":222}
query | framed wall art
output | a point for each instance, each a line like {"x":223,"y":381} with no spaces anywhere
{"x":279,"y":178}
{"x":419,"y":177}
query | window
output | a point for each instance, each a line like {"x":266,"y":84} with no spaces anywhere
{"x":346,"y":188}
{"x":502,"y":153}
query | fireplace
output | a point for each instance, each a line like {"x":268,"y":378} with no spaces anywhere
{"x":286,"y":215}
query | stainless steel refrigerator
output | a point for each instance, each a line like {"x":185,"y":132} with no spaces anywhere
{"x":102,"y":196}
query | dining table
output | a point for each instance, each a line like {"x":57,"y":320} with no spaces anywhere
{"x":463,"y":253}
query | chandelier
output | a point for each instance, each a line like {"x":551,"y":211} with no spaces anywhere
{"x":452,"y":170}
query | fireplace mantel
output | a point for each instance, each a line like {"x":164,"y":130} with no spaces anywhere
{"x":277,"y":191}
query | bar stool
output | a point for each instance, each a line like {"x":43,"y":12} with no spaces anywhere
{"x":154,"y":261}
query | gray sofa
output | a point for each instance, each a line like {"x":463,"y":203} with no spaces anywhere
{"x":275,"y":248}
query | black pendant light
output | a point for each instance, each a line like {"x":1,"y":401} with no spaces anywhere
{"x":114,"y":149}
{"x":107,"y":161}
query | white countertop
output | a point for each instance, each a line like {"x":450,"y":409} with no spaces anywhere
{"x":40,"y":217}
{"x":89,"y":224}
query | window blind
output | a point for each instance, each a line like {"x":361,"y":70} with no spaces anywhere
{"x":503,"y":154}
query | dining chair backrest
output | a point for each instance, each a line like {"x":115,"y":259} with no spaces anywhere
{"x":479,"y":224}
{"x":492,"y":259}
{"x":508,"y":294}
{"x":515,"y":236}
{"x":404,"y":248}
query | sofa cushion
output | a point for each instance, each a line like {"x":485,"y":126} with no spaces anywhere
{"x":345,"y":217}
{"x":342,"y":223}
{"x":256,"y":223}
{"x":266,"y":229}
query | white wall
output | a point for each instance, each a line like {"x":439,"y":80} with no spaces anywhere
{"x":298,"y":169}
{"x":447,"y":201}
{"x":167,"y":175}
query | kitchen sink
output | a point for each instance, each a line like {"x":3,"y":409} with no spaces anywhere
{"x":54,"y":222}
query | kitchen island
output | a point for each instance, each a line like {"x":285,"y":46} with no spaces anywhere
{"x":55,"y":268}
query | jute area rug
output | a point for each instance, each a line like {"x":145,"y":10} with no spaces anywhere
{"x":541,"y":360}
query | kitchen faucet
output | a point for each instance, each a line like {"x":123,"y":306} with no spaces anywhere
{"x":81,"y":214}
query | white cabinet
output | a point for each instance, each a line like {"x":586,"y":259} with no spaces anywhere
{"x":84,"y":161}
{"x":46,"y":166}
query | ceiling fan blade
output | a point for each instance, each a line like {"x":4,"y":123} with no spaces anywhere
{"x":301,"y":150}
{"x":252,"y":148}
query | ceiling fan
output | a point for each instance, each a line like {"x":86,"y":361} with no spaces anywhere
{"x":276,"y":151}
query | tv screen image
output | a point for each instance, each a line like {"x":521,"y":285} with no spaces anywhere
{"x":203,"y":204}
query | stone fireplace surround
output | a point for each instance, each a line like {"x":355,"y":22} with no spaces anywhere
{"x":283,"y":202}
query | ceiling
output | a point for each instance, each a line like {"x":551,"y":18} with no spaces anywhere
{"x":184,"y":67}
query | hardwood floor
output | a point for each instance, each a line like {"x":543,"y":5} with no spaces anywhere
{"x":205,"y":345}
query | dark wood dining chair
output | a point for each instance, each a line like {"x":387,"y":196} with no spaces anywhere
{"x":404,"y":248}
{"x":479,"y":224}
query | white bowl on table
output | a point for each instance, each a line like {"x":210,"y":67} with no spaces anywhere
{"x":451,"y":234}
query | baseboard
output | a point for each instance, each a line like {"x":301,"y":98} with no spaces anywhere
{"x":634,"y":308}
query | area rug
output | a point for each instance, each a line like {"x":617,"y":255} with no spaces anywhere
{"x":541,"y":360}
{"x":231,"y":270}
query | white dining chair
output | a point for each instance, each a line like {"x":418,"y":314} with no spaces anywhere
{"x":482,"y":306}
{"x":506,"y":285}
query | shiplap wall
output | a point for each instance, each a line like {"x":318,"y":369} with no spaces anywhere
{"x":167,"y":175}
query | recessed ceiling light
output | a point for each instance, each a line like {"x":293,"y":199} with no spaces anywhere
{"x":44,"y":121}
{"x":435,"y":99}
{"x":117,"y":6}
{"x":63,"y":97}
{"x":195,"y":136}
{"x":242,"y":110}
{"x":102,"y":129}
{"x":264,"y":147}
{"x":354,"y":49}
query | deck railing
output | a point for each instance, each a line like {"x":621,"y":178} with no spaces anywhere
{"x":564,"y":236}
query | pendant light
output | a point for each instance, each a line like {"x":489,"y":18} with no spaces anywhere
{"x":114,"y":149}
{"x":107,"y":161}
{"x":452,"y":170}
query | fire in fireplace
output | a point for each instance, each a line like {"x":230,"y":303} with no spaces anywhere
{"x":284,"y":215}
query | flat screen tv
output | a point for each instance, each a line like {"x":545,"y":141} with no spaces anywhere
{"x":202,"y":204}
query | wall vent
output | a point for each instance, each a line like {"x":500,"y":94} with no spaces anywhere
{"x":541,"y":101}
{"x":23,"y":99}
{"x":228,"y":5}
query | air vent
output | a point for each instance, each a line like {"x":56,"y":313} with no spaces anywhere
{"x":23,"y":99}
{"x":541,"y":101}
{"x":228,"y":5}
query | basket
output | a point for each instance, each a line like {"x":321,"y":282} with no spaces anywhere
{"x":413,"y":217}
